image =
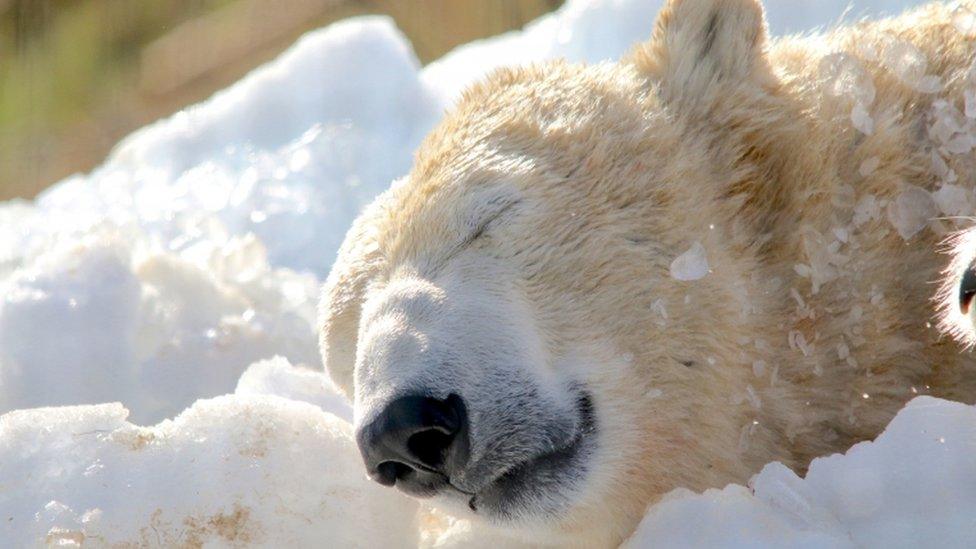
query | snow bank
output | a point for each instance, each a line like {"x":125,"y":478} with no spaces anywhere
{"x":249,"y":469}
{"x":200,"y":245}
{"x":269,"y":471}
{"x":103,"y":318}
{"x":252,"y":470}
{"x":915,"y":486}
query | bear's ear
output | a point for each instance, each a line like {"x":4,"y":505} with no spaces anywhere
{"x":700,"y":47}
{"x":356,"y":266}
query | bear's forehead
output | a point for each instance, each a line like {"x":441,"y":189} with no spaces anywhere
{"x":519,"y":128}
{"x":528,"y":115}
{"x":522,"y":109}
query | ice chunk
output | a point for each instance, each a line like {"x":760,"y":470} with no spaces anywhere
{"x":868,"y":166}
{"x":877,"y":296}
{"x":903,"y":59}
{"x":954,"y":200}
{"x":798,"y":341}
{"x":821,"y":252}
{"x":845,"y":77}
{"x":861,"y":119}
{"x":69,"y":321}
{"x":727,"y":518}
{"x":970,"y":102}
{"x":753,"y":397}
{"x":964,"y":21}
{"x":959,"y":144}
{"x":690,"y":265}
{"x":939,"y":165}
{"x":947,"y":122}
{"x":911,"y":211}
{"x":659,"y":308}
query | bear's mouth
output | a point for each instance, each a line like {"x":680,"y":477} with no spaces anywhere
{"x":541,"y":482}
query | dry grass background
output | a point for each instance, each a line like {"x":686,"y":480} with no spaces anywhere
{"x":78,"y":75}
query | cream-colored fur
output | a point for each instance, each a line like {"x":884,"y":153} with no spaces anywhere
{"x":710,"y":133}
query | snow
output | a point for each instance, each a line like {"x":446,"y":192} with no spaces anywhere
{"x":279,"y":378}
{"x":257,"y":470}
{"x":953,"y":200}
{"x":188,"y":267}
{"x":692,"y":264}
{"x":861,"y":119}
{"x":904,"y":60}
{"x":266,"y":470}
{"x":845,"y":78}
{"x":912,"y":210}
{"x":101,"y":319}
{"x":964,"y":20}
{"x":914,"y":486}
{"x":661,"y":312}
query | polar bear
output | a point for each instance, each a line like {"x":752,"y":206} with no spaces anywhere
{"x":599,"y":283}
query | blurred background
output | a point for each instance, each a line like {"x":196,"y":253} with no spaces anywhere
{"x":78,"y":75}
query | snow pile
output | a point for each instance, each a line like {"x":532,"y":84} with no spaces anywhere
{"x":915,"y":486}
{"x":200,"y":246}
{"x":101,"y":319}
{"x":231,"y":471}
{"x":247,"y":469}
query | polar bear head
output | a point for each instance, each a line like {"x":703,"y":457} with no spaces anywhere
{"x":504,"y":318}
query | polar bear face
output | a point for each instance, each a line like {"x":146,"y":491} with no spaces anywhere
{"x":474,"y":382}
{"x":504,"y":318}
{"x":459,"y":340}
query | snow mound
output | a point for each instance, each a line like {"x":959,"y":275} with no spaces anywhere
{"x":231,"y":471}
{"x":263,"y":470}
{"x":103,"y":319}
{"x":915,"y":486}
{"x":279,"y":378}
{"x":200,"y":245}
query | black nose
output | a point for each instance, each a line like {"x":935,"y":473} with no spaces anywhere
{"x":415,"y":443}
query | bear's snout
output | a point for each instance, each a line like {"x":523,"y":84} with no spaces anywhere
{"x":416,"y":443}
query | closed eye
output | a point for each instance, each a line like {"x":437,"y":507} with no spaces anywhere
{"x":497,"y":207}
{"x":486,"y":222}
